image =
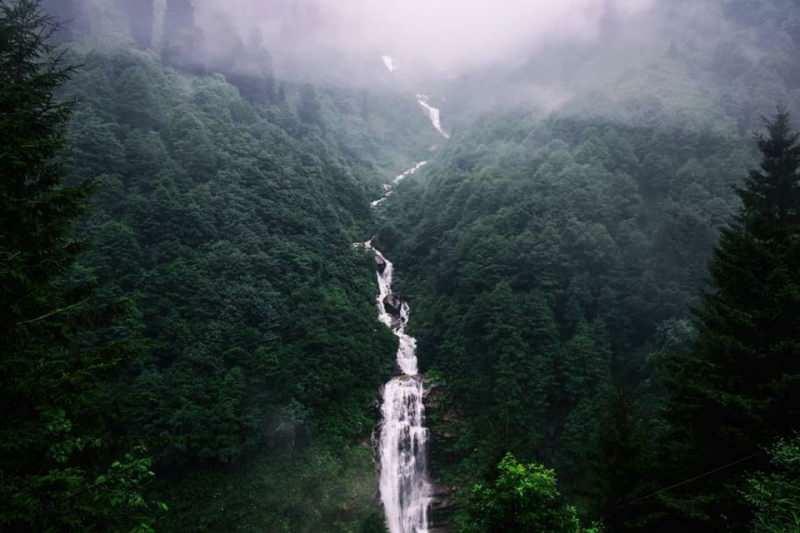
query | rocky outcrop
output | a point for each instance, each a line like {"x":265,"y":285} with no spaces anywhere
{"x":442,"y":419}
{"x":441,"y":509}
{"x":393,"y":304}
{"x":380,"y":263}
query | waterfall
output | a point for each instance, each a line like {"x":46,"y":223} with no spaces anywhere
{"x":388,"y":189}
{"x":388,"y":61}
{"x":433,"y":115}
{"x":404,"y":486}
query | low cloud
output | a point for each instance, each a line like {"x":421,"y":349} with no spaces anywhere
{"x":451,"y":36}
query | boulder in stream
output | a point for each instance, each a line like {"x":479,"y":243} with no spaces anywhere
{"x":393,"y":304}
{"x":380,"y":263}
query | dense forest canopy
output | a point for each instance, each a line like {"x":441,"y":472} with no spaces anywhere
{"x":600,"y":242}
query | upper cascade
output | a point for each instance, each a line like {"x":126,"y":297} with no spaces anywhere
{"x":405,"y":488}
{"x":433,"y":114}
{"x":389,"y":187}
{"x":389,"y":62}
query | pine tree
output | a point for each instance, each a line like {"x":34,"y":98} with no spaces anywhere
{"x":60,"y":469}
{"x":738,"y":388}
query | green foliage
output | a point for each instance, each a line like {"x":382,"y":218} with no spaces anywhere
{"x":581,"y":239}
{"x":523,"y":498}
{"x":234,"y":239}
{"x":317,"y":489}
{"x":733,"y":392}
{"x":221,"y":239}
{"x":62,"y":467}
{"x":547,"y":258}
{"x":228,"y":225}
{"x":552,"y":261}
{"x":775,"y":495}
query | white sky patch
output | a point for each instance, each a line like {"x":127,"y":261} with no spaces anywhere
{"x":461,"y":34}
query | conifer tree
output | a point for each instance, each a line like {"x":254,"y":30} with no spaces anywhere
{"x":738,"y":388}
{"x":59,"y":468}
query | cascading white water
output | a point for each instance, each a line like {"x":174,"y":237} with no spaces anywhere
{"x":404,"y":486}
{"x":433,"y":115}
{"x":388,"y":189}
{"x":388,"y":61}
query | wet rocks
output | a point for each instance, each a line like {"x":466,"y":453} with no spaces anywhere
{"x":393,"y":304}
{"x":380,"y":263}
{"x":441,"y":509}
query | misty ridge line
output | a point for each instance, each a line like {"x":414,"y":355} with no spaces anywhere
{"x":448,"y":37}
{"x":572,"y":56}
{"x":432,"y":40}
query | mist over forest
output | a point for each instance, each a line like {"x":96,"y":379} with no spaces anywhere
{"x":371,"y":266}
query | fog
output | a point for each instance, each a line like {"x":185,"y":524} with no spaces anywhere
{"x":445,"y":36}
{"x":344,"y":40}
{"x":687,"y":54}
{"x":683,"y":55}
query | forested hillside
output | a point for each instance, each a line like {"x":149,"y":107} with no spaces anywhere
{"x":554,"y":260}
{"x":551,"y":262}
{"x":588,"y":302}
{"x":222,"y":228}
{"x":229,"y":228}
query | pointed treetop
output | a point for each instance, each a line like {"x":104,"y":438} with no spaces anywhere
{"x":771,"y":194}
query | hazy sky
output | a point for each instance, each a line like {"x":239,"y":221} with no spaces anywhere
{"x":461,"y":33}
{"x":448,"y":35}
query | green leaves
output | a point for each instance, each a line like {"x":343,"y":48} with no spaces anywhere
{"x":775,"y":494}
{"x":734,"y":391}
{"x":57,"y":353}
{"x":226,"y":224}
{"x":523,"y":498}
{"x":548,"y":256}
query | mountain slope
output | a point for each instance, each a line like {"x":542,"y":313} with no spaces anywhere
{"x":228,"y":226}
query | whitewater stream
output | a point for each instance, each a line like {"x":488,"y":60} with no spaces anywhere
{"x":405,"y":488}
{"x":433,"y":114}
{"x":403,"y":445}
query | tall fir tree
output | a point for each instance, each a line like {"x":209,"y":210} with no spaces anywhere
{"x":61,"y":470}
{"x":738,"y":388}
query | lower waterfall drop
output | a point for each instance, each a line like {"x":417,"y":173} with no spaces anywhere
{"x":404,"y":485}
